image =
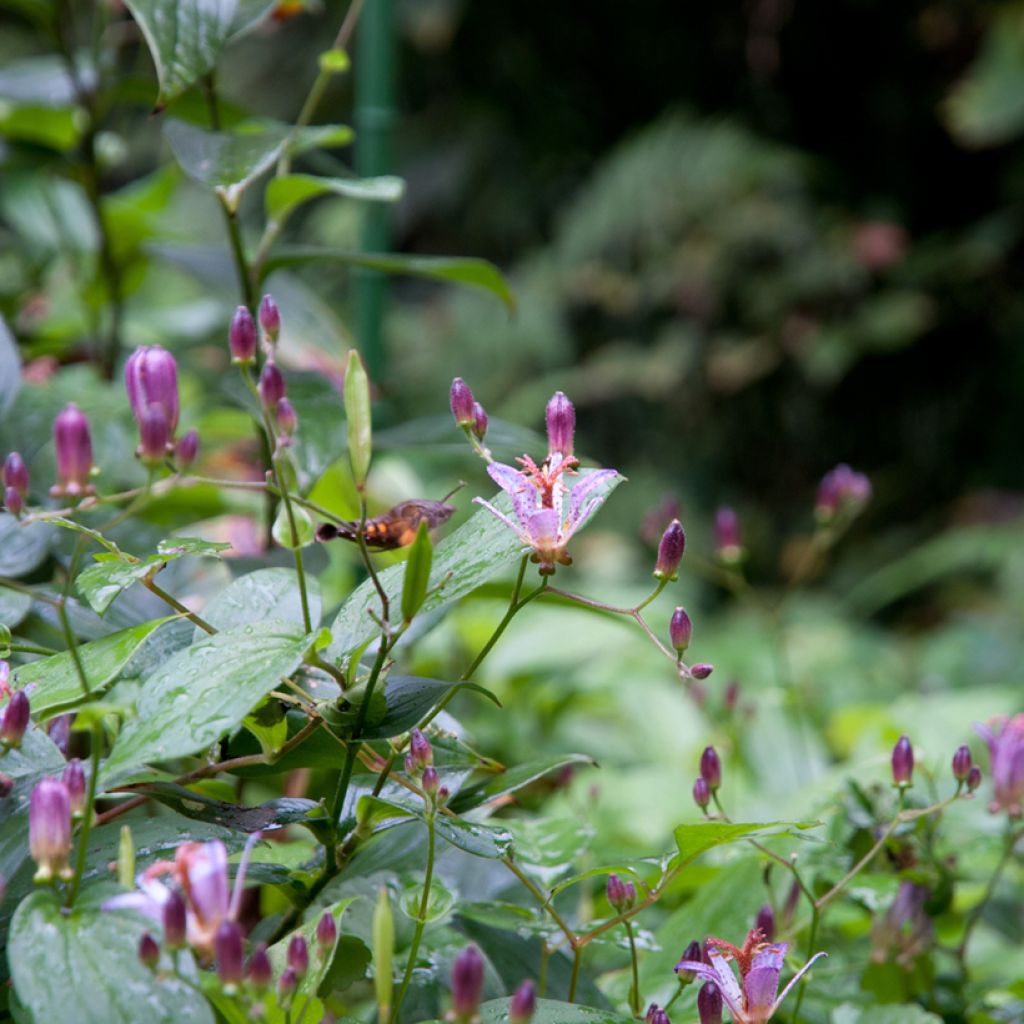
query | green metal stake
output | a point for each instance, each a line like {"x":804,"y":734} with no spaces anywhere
{"x":374,"y":118}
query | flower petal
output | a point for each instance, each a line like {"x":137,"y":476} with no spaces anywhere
{"x":584,"y":490}
{"x":542,"y":527}
{"x":516,"y":486}
{"x":518,"y":530}
{"x":727,"y":984}
{"x":796,"y":977}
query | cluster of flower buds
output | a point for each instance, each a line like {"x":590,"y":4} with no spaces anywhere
{"x":419,"y":763}
{"x":15,"y":483}
{"x":621,"y":895}
{"x":728,"y":539}
{"x":1006,"y":749}
{"x":151,"y":380}
{"x":469,"y":414}
{"x":49,"y":830}
{"x":710,"y":778}
{"x":72,"y":439}
{"x":14,"y":717}
{"x":903,"y":763}
{"x":842,"y":491}
{"x":275,"y":401}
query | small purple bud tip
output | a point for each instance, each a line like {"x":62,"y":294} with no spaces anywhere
{"x":973,"y":778}
{"x":16,"y":474}
{"x":149,"y":951}
{"x":287,"y":420}
{"x":701,"y":794}
{"x":227,"y":947}
{"x":523,"y":1004}
{"x":326,"y":933}
{"x":902,"y":762}
{"x":841,"y":490}
{"x":15,"y":719}
{"x":6,"y":785}
{"x":621,"y":895}
{"x":701,"y":670}
{"x":73,"y":441}
{"x":420,"y":748}
{"x":711,"y":768}
{"x":680,"y":630}
{"x":298,"y":955}
{"x":13,"y":501}
{"x":259,"y":971}
{"x":74,"y":779}
{"x":151,"y":378}
{"x":242,"y":337}
{"x":962,"y":763}
{"x":728,"y":539}
{"x":709,"y":1004}
{"x":175,"y":918}
{"x":692,"y":953}
{"x":765,"y":922}
{"x":467,"y":984}
{"x":270,"y":318}
{"x":154,"y":435}
{"x":656,"y":1015}
{"x":287,"y":983}
{"x":272,"y":386}
{"x":670,"y":551}
{"x":461,"y":400}
{"x":561,"y":423}
{"x":49,"y":830}
{"x":480,"y":421}
{"x":410,"y":764}
{"x":430,"y":780}
{"x":187,"y":449}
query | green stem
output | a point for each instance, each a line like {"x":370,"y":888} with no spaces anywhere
{"x":154,"y":588}
{"x":421,"y":920}
{"x":976,"y":912}
{"x":300,"y":571}
{"x":634,"y":992}
{"x":577,"y":956}
{"x":245,"y":283}
{"x":46,"y":652}
{"x":89,"y":813}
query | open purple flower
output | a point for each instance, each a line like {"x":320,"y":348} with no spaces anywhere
{"x":1007,"y":752}
{"x":755,"y":998}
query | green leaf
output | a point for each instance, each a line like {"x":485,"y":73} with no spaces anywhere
{"x":205,"y":691}
{"x":283,"y":195}
{"x":408,"y":699}
{"x":57,"y":686}
{"x":90,"y":956}
{"x":101,"y":583}
{"x":514,"y":779}
{"x":439,"y":903}
{"x":358,"y":417}
{"x":417,"y":573}
{"x":349,"y":961}
{"x":263,"y":594}
{"x":176,"y":547}
{"x":495,"y":1011}
{"x":14,"y":606}
{"x":59,"y":130}
{"x":693,"y":840}
{"x":22,"y":548}
{"x":185,"y":38}
{"x":279,"y":951}
{"x":489,"y":841}
{"x":469,"y":556}
{"x":849,"y":1013}
{"x":473,"y":273}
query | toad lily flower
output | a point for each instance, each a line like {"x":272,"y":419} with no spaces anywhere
{"x":1007,"y":751}
{"x":755,"y":998}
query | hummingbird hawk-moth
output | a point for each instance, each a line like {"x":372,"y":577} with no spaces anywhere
{"x":396,"y":528}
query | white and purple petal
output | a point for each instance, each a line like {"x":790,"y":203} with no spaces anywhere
{"x":582,"y":491}
{"x":516,"y":528}
{"x":516,"y":486}
{"x":727,"y":984}
{"x":796,"y":977}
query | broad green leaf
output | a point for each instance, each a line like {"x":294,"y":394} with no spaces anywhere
{"x":490,"y":841}
{"x":259,"y":595}
{"x":205,"y":691}
{"x":548,"y":1011}
{"x":477,"y":550}
{"x":102,"y":582}
{"x":358,"y":417}
{"x":548,"y":847}
{"x":283,"y":195}
{"x":849,"y":1013}
{"x":57,"y":686}
{"x":59,"y":130}
{"x":185,"y":38}
{"x":90,"y":956}
{"x":439,"y":903}
{"x":176,"y":547}
{"x":408,"y":699}
{"x":417,"y":573}
{"x":14,"y":606}
{"x":473,"y":273}
{"x":514,"y":779}
{"x":693,"y":840}
{"x":350,"y":959}
{"x":22,"y":548}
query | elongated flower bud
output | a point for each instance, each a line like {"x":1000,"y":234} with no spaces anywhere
{"x":16,"y":474}
{"x":420,"y":748}
{"x":326,"y":934}
{"x":13,"y":501}
{"x":149,"y":951}
{"x":298,"y":955}
{"x":523,"y":1004}
{"x":6,"y":785}
{"x":49,"y":830}
{"x":656,"y":1015}
{"x":479,"y":421}
{"x":973,"y":778}
{"x":711,"y":768}
{"x":151,"y":378}
{"x":962,"y":763}
{"x":287,"y":421}
{"x":692,"y":953}
{"x":242,"y":337}
{"x":461,"y":401}
{"x":74,"y":780}
{"x":270,"y":318}
{"x":841,"y":490}
{"x":272,"y":386}
{"x":701,"y":670}
{"x":728,"y":539}
{"x":765,"y":922}
{"x":154,"y":435}
{"x":73,"y":442}
{"x":430,"y":780}
{"x":227,"y":946}
{"x":187,"y":449}
{"x":709,"y":1004}
{"x":561,"y":423}
{"x":467,"y":984}
{"x":15,"y":719}
{"x":701,"y":794}
{"x":287,"y":984}
{"x":902,"y":762}
{"x":670,"y":551}
{"x":259,"y":970}
{"x":680,"y":630}
{"x":731,"y":696}
{"x":175,"y":920}
{"x":621,"y":895}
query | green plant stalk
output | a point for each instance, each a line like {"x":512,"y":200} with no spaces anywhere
{"x":65,"y":623}
{"x":978,"y":909}
{"x":174,"y":603}
{"x":421,"y":920}
{"x":634,"y":991}
{"x":300,"y":571}
{"x":96,"y":741}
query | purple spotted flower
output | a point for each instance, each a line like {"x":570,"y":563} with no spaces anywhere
{"x":1006,"y":748}
{"x":755,"y":997}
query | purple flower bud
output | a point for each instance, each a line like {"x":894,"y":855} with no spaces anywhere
{"x":701,"y":794}
{"x":74,"y":780}
{"x":5,"y":676}
{"x":841,"y":490}
{"x":765,"y":922}
{"x":709,"y":1004}
{"x":479,"y":421}
{"x":326,"y":933}
{"x":16,"y":474}
{"x":973,"y":778}
{"x":227,"y":947}
{"x":561,"y":422}
{"x":74,"y":453}
{"x":680,"y":630}
{"x":523,"y":1003}
{"x":6,"y":785}
{"x":430,"y":781}
{"x":711,"y":768}
{"x":962,"y":763}
{"x":728,"y":539}
{"x":259,"y":970}
{"x":902,"y":762}
{"x":151,"y":378}
{"x":15,"y":719}
{"x":287,"y":983}
{"x":13,"y":501}
{"x":621,"y":895}
{"x":731,"y":697}
{"x":1006,"y":749}
{"x":59,"y":731}
{"x":272,"y":386}
{"x":442,"y":796}
{"x":242,"y":337}
{"x":692,"y":952}
{"x":701,"y":670}
{"x":298,"y":955}
{"x":420,"y":748}
{"x":287,"y":420}
{"x":270,"y":318}
{"x":175,"y":918}
{"x":467,"y":984}
{"x":461,"y":400}
{"x":187,"y":449}
{"x":149,"y":951}
{"x":154,"y":435}
{"x":670,"y":551}
{"x":49,"y":830}
{"x":410,"y":764}
{"x":656,"y":1015}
